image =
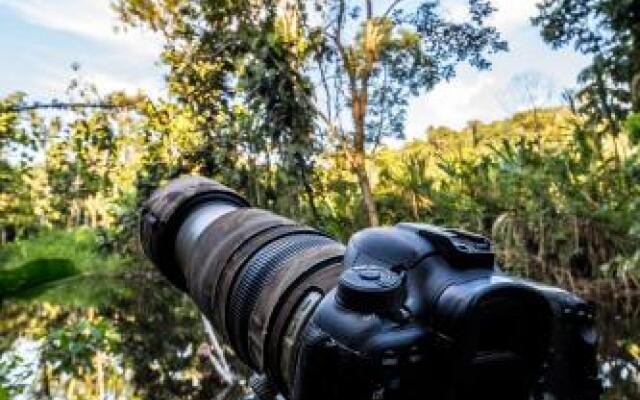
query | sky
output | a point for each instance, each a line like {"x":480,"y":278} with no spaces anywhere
{"x":41,"y":39}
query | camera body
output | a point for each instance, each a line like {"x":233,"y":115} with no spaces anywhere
{"x":407,"y":312}
{"x":420,"y":306}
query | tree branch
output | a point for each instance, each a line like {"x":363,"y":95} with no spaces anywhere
{"x":391,"y":7}
{"x":62,"y":106}
{"x":338,"y":33}
{"x":325,"y":86}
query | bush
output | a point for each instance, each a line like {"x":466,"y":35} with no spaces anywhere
{"x":633,"y":127}
{"x":51,"y":256}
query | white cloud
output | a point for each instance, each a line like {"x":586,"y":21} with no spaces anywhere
{"x":454,"y":103}
{"x":92,"y":19}
{"x":127,"y":60}
{"x":513,"y":14}
{"x":485,"y":95}
{"x":509,"y":14}
{"x":109,"y":83}
{"x":113,"y":61}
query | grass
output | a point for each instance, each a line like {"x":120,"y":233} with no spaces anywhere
{"x":51,"y":256}
{"x":34,"y":274}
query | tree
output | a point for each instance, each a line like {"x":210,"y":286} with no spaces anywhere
{"x":529,"y":91}
{"x":610,"y":31}
{"x":394,"y":54}
{"x":237,"y":68}
{"x":17,"y":143}
{"x":408,"y":179}
{"x":290,"y":56}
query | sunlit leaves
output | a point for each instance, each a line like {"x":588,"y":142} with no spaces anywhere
{"x":73,"y":348}
{"x":633,"y":128}
{"x":541,"y":183}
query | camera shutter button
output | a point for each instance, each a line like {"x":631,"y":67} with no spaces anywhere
{"x":368,"y":274}
{"x":370,"y":289}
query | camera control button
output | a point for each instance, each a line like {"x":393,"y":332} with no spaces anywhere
{"x":371,"y":289}
{"x":369,"y":274}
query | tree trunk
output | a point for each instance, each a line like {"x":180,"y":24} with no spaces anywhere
{"x":359,"y":168}
{"x":46,"y":381}
{"x":414,"y":206}
{"x":100,"y":358}
{"x":635,"y":92}
{"x":358,"y":158}
{"x":302,"y":165}
{"x":365,"y":187}
{"x":253,"y":182}
{"x":542,"y":244}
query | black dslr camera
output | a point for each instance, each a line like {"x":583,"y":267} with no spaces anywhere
{"x":408,"y":312}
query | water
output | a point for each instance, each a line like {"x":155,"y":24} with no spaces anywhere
{"x":134,"y":337}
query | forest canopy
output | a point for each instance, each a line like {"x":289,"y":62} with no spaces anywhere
{"x":293,"y":103}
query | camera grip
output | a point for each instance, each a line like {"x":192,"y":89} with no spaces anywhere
{"x":325,"y":370}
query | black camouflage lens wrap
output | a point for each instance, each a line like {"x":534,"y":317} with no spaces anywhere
{"x":163,"y":213}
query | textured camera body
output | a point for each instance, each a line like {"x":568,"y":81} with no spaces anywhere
{"x":456,"y":325}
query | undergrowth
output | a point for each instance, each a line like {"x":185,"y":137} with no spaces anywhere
{"x":51,"y":256}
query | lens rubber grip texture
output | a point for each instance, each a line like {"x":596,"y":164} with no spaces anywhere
{"x":234,"y":268}
{"x":313,"y":269}
{"x":218,"y":243}
{"x":256,"y":277}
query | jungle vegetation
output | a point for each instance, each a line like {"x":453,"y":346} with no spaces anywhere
{"x":301,"y":106}
{"x":294,"y":113}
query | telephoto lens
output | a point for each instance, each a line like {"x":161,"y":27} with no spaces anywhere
{"x":255,"y":275}
{"x":406,"y":312}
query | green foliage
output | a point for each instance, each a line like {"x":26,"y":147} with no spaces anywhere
{"x":286,"y":111}
{"x":292,"y":113}
{"x":33,"y":274}
{"x":255,"y":82}
{"x":12,"y":135}
{"x":609,"y":31}
{"x":111,"y":348}
{"x":73,"y":348}
{"x":556,"y":192}
{"x":558,"y":201}
{"x":79,"y":246}
{"x":27,"y":264}
{"x":557,"y":188}
{"x":633,"y":128}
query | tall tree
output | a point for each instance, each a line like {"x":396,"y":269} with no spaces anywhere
{"x":19,"y":135}
{"x":381,"y":56}
{"x":610,"y":31}
{"x":284,"y":58}
{"x":238,"y":67}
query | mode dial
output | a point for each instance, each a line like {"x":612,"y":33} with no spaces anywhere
{"x":371,"y":289}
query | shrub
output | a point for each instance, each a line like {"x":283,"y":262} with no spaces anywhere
{"x":50,"y":256}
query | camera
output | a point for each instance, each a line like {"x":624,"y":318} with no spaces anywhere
{"x":412,"y":311}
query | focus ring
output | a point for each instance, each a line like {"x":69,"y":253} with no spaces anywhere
{"x":234,"y":267}
{"x":256,"y":275}
{"x":216,"y":246}
{"x":321,"y":280}
{"x":277,"y":302}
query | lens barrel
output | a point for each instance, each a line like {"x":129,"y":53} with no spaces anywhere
{"x":257,"y":276}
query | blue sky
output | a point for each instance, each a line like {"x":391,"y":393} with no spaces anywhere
{"x":40,"y":39}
